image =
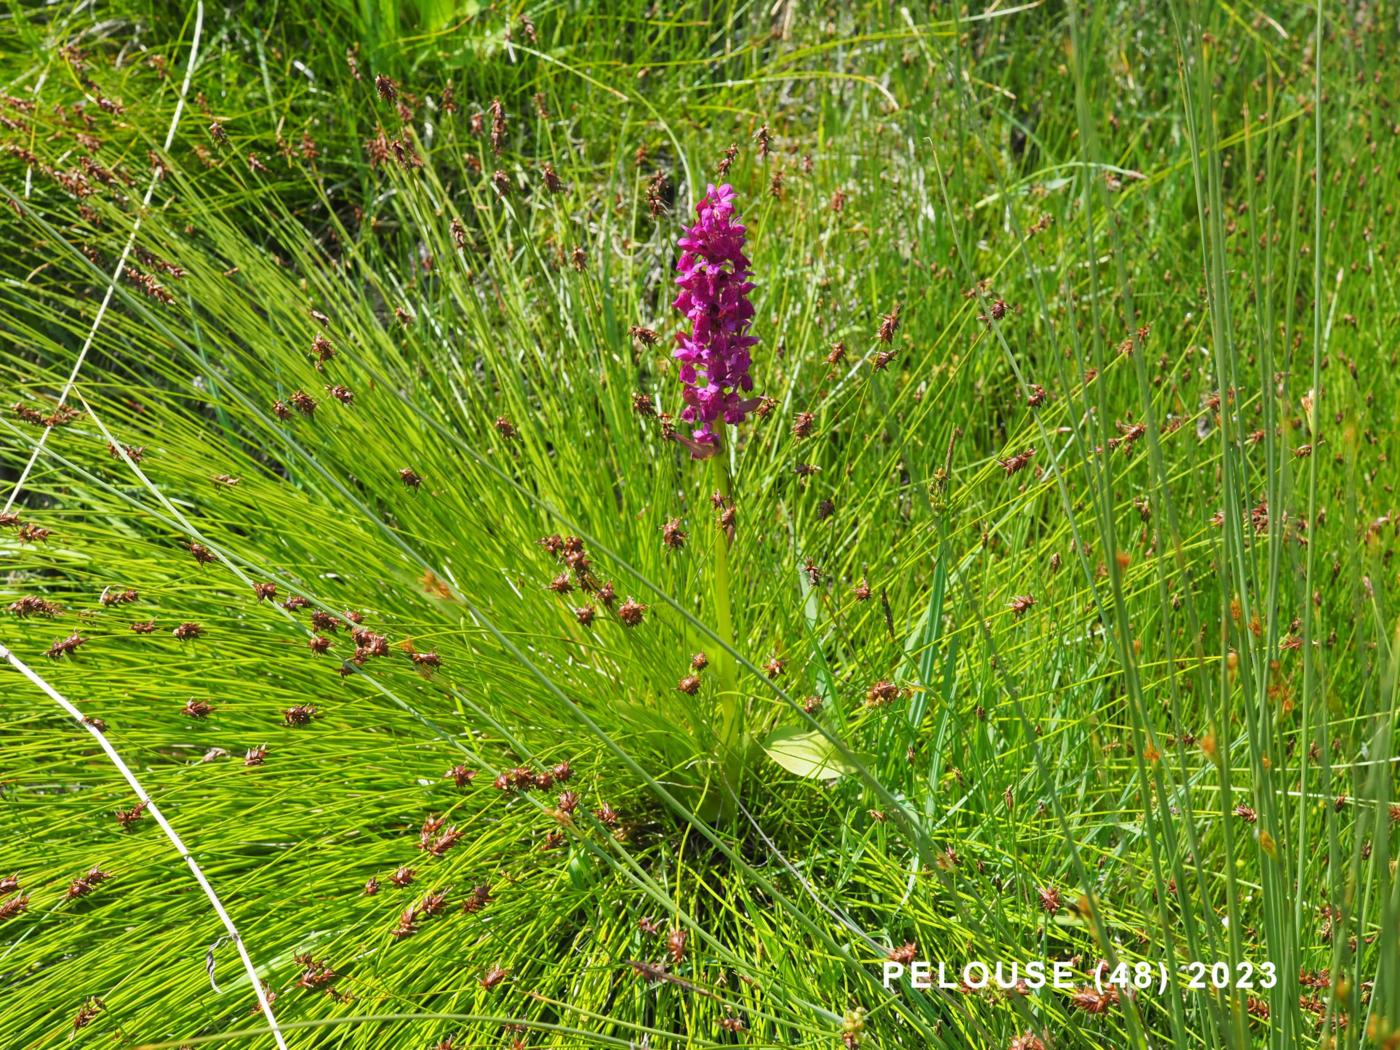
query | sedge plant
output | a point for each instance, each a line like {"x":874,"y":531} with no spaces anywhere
{"x":382,"y":667}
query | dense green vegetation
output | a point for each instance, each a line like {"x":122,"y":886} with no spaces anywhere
{"x":1064,"y":609}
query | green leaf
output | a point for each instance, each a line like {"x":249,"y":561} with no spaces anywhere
{"x":806,"y":753}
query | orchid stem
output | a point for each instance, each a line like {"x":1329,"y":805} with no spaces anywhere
{"x":730,"y":708}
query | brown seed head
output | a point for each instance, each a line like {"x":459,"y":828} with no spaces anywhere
{"x":881,"y":693}
{"x":675,"y":945}
{"x":905,"y":953}
{"x":299,"y":714}
{"x":672,"y":535}
{"x":84,"y":884}
{"x":65,"y":646}
{"x":889,"y":324}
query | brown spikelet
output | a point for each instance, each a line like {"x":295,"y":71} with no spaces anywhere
{"x":889,"y":324}
{"x":65,"y":646}
{"x":126,"y":818}
{"x":498,"y":126}
{"x":84,"y":884}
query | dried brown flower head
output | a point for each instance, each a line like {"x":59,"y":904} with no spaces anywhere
{"x":1012,"y":464}
{"x":905,"y":953}
{"x":33,"y":605}
{"x":65,"y":646}
{"x":460,"y":775}
{"x":889,"y":324}
{"x":672,"y":535}
{"x":881,"y":693}
{"x":498,"y":126}
{"x":299,"y":714}
{"x":128,"y":817}
{"x":725,"y":162}
{"x":631,"y":612}
{"x":84,"y":884}
{"x":675,"y":945}
{"x":88,"y":1012}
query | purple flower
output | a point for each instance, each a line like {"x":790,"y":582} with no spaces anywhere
{"x":714,"y":355}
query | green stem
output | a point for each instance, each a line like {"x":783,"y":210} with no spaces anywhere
{"x":730,"y":707}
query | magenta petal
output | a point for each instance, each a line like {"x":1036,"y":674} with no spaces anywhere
{"x":713,"y":277}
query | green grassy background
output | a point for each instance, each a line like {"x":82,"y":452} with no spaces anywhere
{"x":1185,"y":744}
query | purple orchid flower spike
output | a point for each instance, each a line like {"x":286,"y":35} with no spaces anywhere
{"x":714,"y":355}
